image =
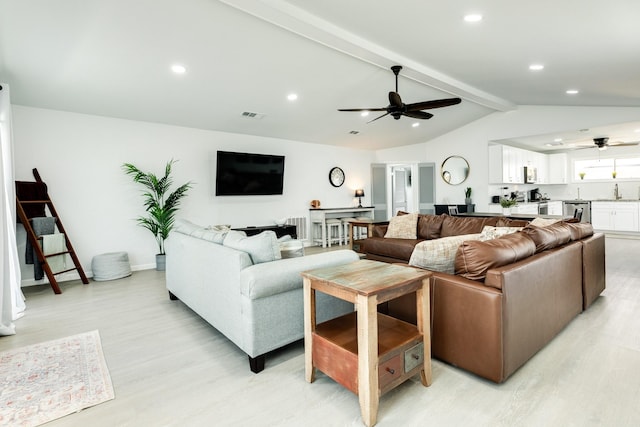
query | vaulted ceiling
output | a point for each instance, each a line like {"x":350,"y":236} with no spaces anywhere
{"x":114,"y":58}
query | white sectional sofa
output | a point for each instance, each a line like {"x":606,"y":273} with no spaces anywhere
{"x":240,"y":286}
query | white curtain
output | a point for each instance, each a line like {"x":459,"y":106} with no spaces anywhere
{"x":11,"y":299}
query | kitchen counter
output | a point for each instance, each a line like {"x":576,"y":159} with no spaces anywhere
{"x":616,"y":200}
{"x":599,"y":200}
{"x":528,"y":217}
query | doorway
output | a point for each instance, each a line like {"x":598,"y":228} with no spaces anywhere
{"x":401,"y":189}
{"x":402,"y":186}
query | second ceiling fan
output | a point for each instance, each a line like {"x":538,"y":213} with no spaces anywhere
{"x":397,"y":108}
{"x":603,"y":143}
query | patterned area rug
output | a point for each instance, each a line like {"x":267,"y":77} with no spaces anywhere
{"x":45,"y":381}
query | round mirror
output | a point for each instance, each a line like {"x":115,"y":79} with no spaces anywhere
{"x":454,"y":170}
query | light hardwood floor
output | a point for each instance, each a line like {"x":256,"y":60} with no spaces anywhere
{"x":170,"y":368}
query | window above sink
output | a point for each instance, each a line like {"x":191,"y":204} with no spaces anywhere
{"x":606,"y":169}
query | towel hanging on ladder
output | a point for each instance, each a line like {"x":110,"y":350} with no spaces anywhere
{"x":53,"y":244}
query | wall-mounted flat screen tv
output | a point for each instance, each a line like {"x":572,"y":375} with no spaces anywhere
{"x":248,"y":174}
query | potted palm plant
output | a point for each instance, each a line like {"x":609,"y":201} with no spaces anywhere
{"x":160,"y":205}
{"x":467,"y":196}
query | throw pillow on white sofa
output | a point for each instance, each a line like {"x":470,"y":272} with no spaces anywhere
{"x":261,"y":248}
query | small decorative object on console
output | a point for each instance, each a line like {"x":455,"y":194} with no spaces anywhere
{"x":315,"y":203}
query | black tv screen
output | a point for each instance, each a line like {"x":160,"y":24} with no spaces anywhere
{"x":248,"y":174}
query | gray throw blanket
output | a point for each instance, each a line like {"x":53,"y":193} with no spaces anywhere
{"x":40,"y":225}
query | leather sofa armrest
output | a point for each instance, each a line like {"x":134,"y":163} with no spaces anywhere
{"x":466,"y":323}
{"x":593,"y":268}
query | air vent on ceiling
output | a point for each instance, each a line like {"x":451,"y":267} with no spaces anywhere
{"x":251,"y":115}
{"x":354,"y":132}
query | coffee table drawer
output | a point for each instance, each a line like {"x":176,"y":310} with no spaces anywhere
{"x":389,"y":371}
{"x":413,"y":357}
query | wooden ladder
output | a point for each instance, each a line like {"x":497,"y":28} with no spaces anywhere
{"x":45,"y":200}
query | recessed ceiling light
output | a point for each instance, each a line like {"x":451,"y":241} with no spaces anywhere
{"x":536,"y":67}
{"x":292,"y":97}
{"x":557,"y":140}
{"x":572,"y":92}
{"x":473,"y":17}
{"x":364,"y":113}
{"x":548,"y":144}
{"x":415,"y":125}
{"x":178,"y":69}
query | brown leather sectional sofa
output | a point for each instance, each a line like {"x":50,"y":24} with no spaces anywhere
{"x":509,"y":297}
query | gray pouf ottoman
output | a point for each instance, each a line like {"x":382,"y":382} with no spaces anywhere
{"x":110,"y":266}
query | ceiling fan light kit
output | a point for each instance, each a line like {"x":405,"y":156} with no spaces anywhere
{"x":397,"y":108}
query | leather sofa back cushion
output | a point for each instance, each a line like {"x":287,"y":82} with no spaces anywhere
{"x":548,"y":237}
{"x":578,"y":230}
{"x":457,"y":225}
{"x":474,"y":258}
{"x":429,"y":226}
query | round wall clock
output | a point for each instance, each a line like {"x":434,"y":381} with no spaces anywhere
{"x":336,"y":176}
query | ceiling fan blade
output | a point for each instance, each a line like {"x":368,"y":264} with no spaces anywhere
{"x":622,"y":144}
{"x":379,"y":117}
{"x":362,"y":109}
{"x":418,"y":114}
{"x":395,"y":100}
{"x":436,"y":103}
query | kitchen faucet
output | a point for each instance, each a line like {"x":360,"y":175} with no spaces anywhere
{"x":616,"y":193}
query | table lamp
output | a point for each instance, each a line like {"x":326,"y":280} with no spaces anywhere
{"x":359,"y":195}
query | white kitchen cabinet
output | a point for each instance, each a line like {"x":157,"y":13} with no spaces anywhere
{"x":615,"y":216}
{"x":557,"y":172}
{"x":541,"y":162}
{"x":506,"y":164}
{"x":526,"y":208}
{"x":554,"y":207}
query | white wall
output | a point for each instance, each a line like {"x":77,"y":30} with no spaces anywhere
{"x":80,"y":157}
{"x":471,"y":142}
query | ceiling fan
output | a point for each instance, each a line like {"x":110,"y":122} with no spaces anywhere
{"x":397,"y":108}
{"x":603,"y":143}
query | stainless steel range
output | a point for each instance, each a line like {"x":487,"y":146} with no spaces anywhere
{"x":543,"y":208}
{"x":570,"y":206}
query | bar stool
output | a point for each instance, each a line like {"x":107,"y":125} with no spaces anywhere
{"x":331,"y":224}
{"x":316,"y":233}
{"x":346,"y":226}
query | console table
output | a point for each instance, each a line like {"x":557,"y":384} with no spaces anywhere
{"x":280,"y":230}
{"x":368,"y":352}
{"x":320,"y":216}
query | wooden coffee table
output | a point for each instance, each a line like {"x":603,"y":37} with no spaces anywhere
{"x":368,"y":352}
